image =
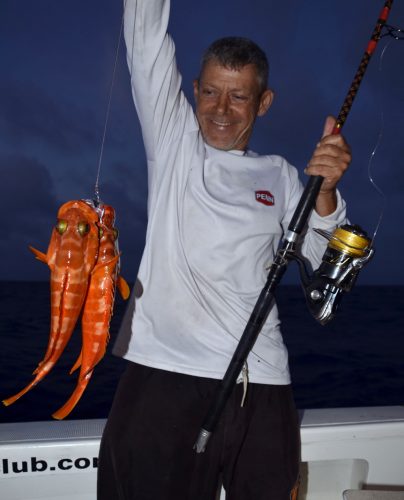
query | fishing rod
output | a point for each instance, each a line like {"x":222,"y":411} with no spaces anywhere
{"x":348,"y":250}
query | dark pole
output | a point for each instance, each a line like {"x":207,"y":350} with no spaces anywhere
{"x":278,"y":268}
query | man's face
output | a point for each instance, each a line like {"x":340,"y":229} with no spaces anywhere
{"x":227,"y":103}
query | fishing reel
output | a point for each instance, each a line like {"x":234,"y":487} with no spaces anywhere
{"x":348,"y":250}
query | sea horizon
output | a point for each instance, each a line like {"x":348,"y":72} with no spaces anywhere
{"x":355,"y":360}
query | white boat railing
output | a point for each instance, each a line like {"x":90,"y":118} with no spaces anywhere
{"x":342,"y":449}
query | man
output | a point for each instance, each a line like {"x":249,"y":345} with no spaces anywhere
{"x":209,"y":241}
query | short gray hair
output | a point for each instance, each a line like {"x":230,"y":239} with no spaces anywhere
{"x":235,"y":53}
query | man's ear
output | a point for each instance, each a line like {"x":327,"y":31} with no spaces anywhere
{"x":265,"y":102}
{"x":196,"y":89}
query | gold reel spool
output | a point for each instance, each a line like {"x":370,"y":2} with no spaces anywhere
{"x":349,"y":242}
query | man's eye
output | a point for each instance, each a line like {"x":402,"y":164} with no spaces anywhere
{"x":240,"y":98}
{"x":208,"y":92}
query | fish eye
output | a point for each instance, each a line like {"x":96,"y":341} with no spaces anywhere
{"x":116,"y":233}
{"x":61,"y":226}
{"x":83,"y":228}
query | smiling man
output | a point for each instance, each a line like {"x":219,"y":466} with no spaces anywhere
{"x":217,"y":211}
{"x":231,"y":92}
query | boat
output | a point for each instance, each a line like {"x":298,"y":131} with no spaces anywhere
{"x":344,"y":450}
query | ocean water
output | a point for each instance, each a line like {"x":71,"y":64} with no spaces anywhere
{"x":355,"y":360}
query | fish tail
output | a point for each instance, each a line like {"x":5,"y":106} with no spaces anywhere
{"x":13,"y":399}
{"x":74,"y":398}
{"x":45,"y":369}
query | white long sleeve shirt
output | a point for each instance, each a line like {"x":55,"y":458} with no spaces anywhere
{"x":215,"y":222}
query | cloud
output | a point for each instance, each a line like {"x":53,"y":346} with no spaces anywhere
{"x":28,"y":211}
{"x":30,"y":114}
{"x":26,"y":191}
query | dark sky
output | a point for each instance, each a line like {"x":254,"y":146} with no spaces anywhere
{"x":57,"y":61}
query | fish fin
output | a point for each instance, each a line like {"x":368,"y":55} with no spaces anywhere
{"x":39,"y":255}
{"x":123,"y":287}
{"x":95,"y":362}
{"x":73,"y":400}
{"x":38,"y":368}
{"x":77,"y":364}
{"x":110,"y":262}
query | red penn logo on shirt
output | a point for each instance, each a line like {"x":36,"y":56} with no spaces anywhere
{"x":265,"y":197}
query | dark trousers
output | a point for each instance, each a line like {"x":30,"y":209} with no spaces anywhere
{"x":147,"y":447}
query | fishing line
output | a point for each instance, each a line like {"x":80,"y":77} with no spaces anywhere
{"x":397,"y":34}
{"x":96,"y":187}
{"x":373,"y":154}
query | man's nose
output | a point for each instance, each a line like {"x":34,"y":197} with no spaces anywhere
{"x":222,"y":104}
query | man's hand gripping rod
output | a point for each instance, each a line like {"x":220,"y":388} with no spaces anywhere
{"x":283,"y":256}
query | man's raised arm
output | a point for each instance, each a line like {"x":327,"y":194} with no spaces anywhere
{"x":155,"y":80}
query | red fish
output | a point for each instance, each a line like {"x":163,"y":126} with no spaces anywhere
{"x":98,"y":307}
{"x":71,"y":256}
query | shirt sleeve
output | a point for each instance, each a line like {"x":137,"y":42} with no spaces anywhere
{"x":314,"y":245}
{"x":311,"y":244}
{"x":163,"y":111}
